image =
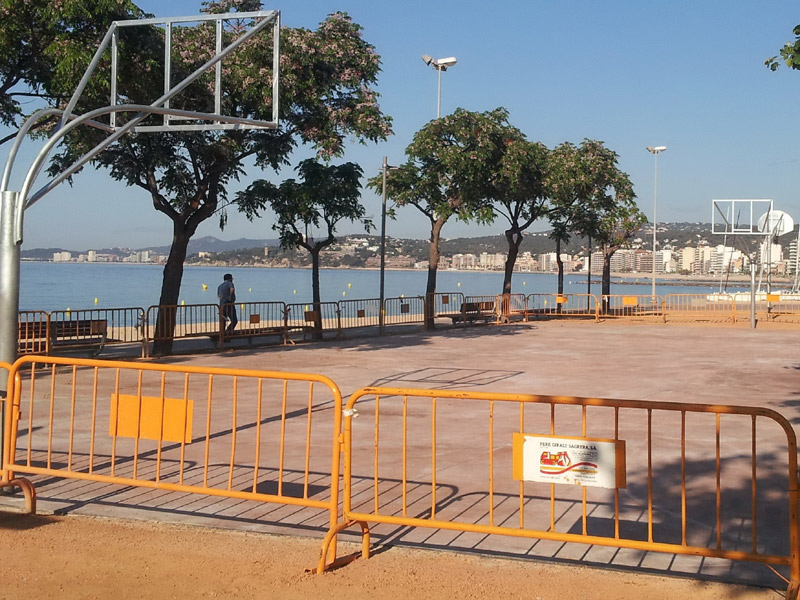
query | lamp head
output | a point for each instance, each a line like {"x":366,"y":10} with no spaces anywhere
{"x":441,"y":64}
{"x":656,"y":149}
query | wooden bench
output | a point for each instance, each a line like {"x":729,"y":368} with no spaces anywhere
{"x":473,"y":311}
{"x":250,"y":328}
{"x":250,"y":333}
{"x":41,"y":337}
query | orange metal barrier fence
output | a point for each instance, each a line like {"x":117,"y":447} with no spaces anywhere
{"x":641,"y":306}
{"x":715,"y":308}
{"x":561,"y":305}
{"x":248,"y":435}
{"x":782,"y":308}
{"x":687,"y":479}
{"x":7,"y":478}
{"x":512,"y":306}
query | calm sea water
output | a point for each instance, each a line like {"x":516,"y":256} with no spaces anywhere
{"x":57,"y":286}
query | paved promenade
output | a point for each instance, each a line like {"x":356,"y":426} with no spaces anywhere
{"x":691,"y":364}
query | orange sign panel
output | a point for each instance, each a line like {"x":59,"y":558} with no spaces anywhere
{"x":151,"y":418}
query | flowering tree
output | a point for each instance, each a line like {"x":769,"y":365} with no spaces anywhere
{"x":326,"y":195}
{"x":325,"y":96}
{"x":789,"y":54}
{"x":44,"y":44}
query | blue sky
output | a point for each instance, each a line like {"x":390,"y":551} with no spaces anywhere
{"x":681,"y":73}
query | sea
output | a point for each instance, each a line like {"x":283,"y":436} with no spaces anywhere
{"x":58,"y":286}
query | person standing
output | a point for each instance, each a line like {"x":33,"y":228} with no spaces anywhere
{"x":226,"y":293}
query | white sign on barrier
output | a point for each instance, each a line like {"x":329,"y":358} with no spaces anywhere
{"x":572,"y":460}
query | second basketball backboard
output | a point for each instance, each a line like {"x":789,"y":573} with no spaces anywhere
{"x":739,"y":216}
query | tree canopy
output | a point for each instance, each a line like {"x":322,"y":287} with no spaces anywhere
{"x":451,"y":165}
{"x":45,"y":48}
{"x":309,"y":210}
{"x":789,"y":54}
{"x":326,"y":97}
{"x":591,"y":197}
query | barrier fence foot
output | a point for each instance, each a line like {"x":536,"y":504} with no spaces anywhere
{"x":793,"y":591}
{"x":27,"y":489}
{"x":329,"y":545}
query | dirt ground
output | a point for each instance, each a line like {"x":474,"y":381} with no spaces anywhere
{"x":88,"y":557}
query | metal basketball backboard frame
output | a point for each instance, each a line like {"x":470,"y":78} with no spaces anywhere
{"x":739,"y":216}
{"x":14,"y":203}
{"x":260,"y":20}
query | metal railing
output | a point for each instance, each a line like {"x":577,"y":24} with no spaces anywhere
{"x":446,"y":303}
{"x":716,"y":308}
{"x":48,"y":333}
{"x":117,"y":325}
{"x":699,"y":480}
{"x":512,"y":306}
{"x":355,"y":314}
{"x":775,"y":308}
{"x":262,"y":436}
{"x":631,"y":306}
{"x":183,"y":321}
{"x":33,"y":332}
{"x":318,"y":321}
{"x":548,"y":306}
{"x":259,"y":319}
{"x":405,"y":310}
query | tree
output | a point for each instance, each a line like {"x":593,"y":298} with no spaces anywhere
{"x":324,"y":196}
{"x":450,"y":165}
{"x":585,"y":186}
{"x":517,"y":190}
{"x":789,"y":54}
{"x":325,"y":96}
{"x":45,"y":46}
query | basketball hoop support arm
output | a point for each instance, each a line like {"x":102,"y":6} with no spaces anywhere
{"x":14,"y":203}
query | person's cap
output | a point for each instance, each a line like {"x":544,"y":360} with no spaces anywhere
{"x":227,"y":277}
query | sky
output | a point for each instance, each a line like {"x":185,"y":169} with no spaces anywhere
{"x":684,"y":74}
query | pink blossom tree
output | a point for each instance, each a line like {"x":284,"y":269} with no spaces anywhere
{"x":325,"y":98}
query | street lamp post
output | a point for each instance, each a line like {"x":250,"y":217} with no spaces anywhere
{"x":381,"y":316}
{"x":440,"y":65}
{"x":381,"y":312}
{"x":655,"y":150}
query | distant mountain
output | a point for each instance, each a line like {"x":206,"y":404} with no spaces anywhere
{"x":676,"y":235}
{"x":212,"y":244}
{"x":202,"y":244}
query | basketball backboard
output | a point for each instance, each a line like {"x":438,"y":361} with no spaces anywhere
{"x":201,"y":64}
{"x":739,"y":216}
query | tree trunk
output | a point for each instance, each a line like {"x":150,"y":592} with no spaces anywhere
{"x":605,"y":285}
{"x":315,"y":294}
{"x":589,"y":269}
{"x":170,"y":290}
{"x":433,"y":267}
{"x":560,"y":264}
{"x":514,"y":239}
